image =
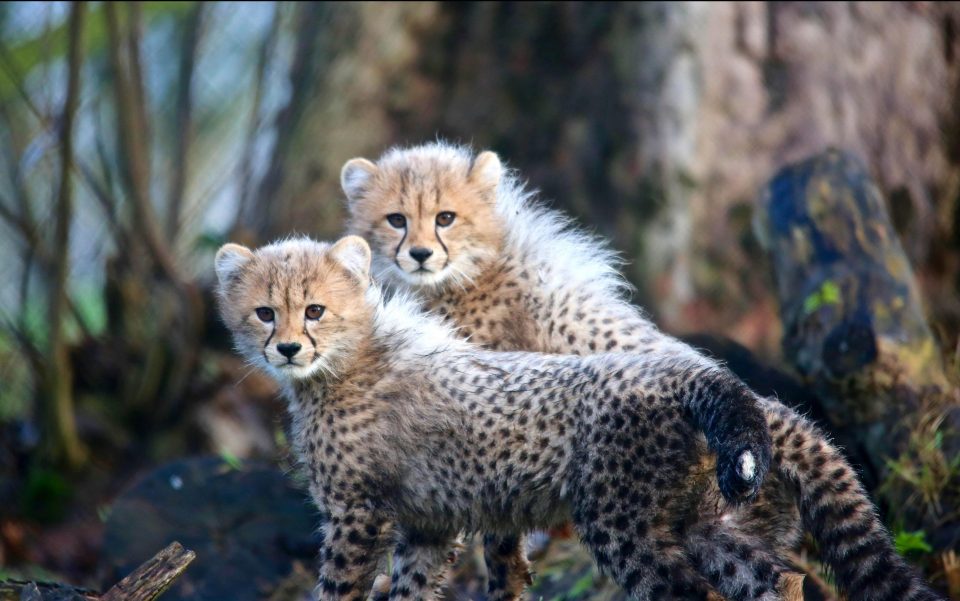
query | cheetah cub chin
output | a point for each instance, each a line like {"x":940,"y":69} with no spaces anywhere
{"x":403,"y":428}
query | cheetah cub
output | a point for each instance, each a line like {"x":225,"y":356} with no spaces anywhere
{"x":478,"y":249}
{"x":514,"y":276}
{"x":405,"y":428}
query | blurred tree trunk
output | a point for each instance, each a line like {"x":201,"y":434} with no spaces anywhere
{"x":58,"y":379}
{"x":183,"y":125}
{"x":310,"y":57}
{"x":347,"y":74}
{"x":658,"y":122}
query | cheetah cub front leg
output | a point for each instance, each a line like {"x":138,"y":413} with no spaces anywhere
{"x":353,"y":542}
{"x":414,"y":561}
{"x":421,"y":562}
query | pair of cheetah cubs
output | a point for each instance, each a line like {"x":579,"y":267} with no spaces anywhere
{"x":417,"y":426}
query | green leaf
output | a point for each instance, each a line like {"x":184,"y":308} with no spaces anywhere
{"x":580,"y":586}
{"x":811,"y":303}
{"x":210,"y":240}
{"x":280,"y":437}
{"x":830,"y":293}
{"x":232,"y":460}
{"x":827,"y":294}
{"x":45,"y":495}
{"x":909,"y":542}
{"x":92,"y":308}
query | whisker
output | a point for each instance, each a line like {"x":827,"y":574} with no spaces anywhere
{"x":245,"y":376}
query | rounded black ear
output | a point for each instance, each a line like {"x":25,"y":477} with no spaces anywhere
{"x":486,"y":170}
{"x":353,"y":252}
{"x":355,"y":177}
{"x":229,"y":260}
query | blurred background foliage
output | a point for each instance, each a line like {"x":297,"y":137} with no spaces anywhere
{"x":136,"y":137}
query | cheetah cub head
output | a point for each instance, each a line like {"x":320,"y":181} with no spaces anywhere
{"x":429,"y":212}
{"x":297,"y":307}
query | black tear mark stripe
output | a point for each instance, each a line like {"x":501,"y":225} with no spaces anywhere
{"x":312,"y":341}
{"x":396,"y":251}
{"x":436,"y":232}
{"x":273,"y":330}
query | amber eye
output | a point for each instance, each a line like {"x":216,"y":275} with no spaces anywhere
{"x":265,"y":314}
{"x":314,"y":311}
{"x":445,"y":218}
{"x":396,"y":220}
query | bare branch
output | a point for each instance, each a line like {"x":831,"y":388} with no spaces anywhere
{"x":256,"y":120}
{"x":28,"y":232}
{"x":153,"y":577}
{"x":60,"y":376}
{"x":28,"y":225}
{"x":134,"y":152}
{"x":192,"y":29}
{"x":106,"y":204}
{"x":47,"y":49}
{"x":134,"y":36}
{"x":16,"y":77}
{"x":25,"y":283}
{"x":15,"y":221}
{"x":134,"y":155}
{"x":26,"y":346}
{"x":303,"y":75}
{"x":104,"y":191}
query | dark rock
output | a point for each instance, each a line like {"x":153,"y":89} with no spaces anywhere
{"x":248,"y":527}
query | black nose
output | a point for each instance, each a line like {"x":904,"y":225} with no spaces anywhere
{"x":288,"y":349}
{"x":420,"y":254}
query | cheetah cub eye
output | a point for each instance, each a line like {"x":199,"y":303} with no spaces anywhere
{"x":397,"y":220}
{"x":314,"y":312}
{"x":445,"y":218}
{"x":265,"y":314}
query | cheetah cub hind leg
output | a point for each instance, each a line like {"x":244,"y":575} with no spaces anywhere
{"x":738,"y":567}
{"x":508,"y":570}
{"x":790,"y":586}
{"x":421,"y":567}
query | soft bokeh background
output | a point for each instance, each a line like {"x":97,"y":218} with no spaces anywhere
{"x":135,"y":138}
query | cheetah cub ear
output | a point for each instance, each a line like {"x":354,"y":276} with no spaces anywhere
{"x":353,"y":253}
{"x":355,"y":177}
{"x":229,"y":260}
{"x":486,"y":170}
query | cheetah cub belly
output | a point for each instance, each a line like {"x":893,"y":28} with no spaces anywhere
{"x":405,"y":429}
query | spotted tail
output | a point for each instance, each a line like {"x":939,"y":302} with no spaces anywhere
{"x":837,"y":511}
